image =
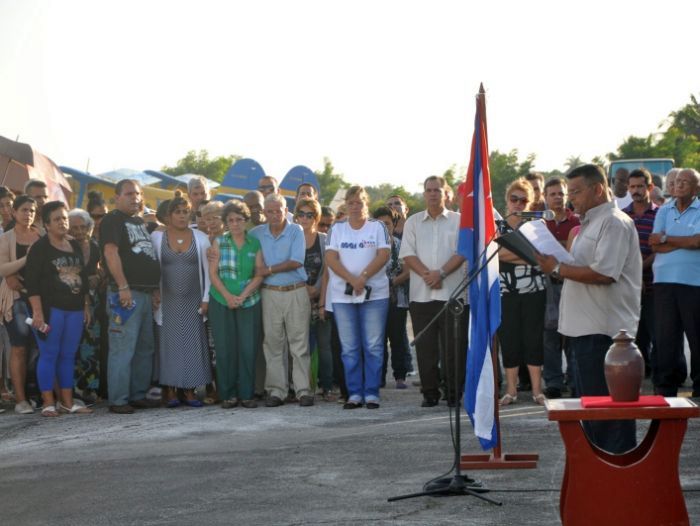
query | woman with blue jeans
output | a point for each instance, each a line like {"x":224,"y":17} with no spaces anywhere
{"x":14,"y":245}
{"x":57,"y":287}
{"x":357,"y":250}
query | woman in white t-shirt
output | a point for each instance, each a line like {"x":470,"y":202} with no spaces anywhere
{"x":357,"y":250}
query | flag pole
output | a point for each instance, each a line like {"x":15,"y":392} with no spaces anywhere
{"x":496,"y":460}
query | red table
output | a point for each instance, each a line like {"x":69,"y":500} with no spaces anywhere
{"x":640,"y":487}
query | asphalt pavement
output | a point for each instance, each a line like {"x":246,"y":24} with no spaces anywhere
{"x":283,"y":466}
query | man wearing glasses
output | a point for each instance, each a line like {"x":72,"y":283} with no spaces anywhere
{"x":601,"y":294}
{"x":676,"y":242}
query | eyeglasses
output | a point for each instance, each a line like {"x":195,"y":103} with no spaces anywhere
{"x":97,"y":216}
{"x":264,"y":187}
{"x":394,"y":203}
{"x":324,"y":225}
{"x":307,"y":215}
{"x":516,"y":199}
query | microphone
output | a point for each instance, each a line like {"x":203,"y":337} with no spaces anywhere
{"x":547,"y":215}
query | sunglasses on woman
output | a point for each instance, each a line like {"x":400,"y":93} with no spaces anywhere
{"x":307,"y":215}
{"x":516,"y":199}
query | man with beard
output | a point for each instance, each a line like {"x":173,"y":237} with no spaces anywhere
{"x":643,"y":211}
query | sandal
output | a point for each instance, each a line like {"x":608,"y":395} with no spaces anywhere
{"x":328,"y":396}
{"x":49,"y":410}
{"x":508,"y":399}
{"x":539,"y":399}
{"x":75,"y":409}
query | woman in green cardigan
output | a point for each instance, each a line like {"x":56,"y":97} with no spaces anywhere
{"x":234,"y":309}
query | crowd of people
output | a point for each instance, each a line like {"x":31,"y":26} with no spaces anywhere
{"x":240,"y":303}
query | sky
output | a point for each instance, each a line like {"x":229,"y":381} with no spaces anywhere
{"x":383,"y":88}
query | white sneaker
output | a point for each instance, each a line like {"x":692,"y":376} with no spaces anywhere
{"x":154,"y":393}
{"x":23,"y":408}
{"x":2,"y":410}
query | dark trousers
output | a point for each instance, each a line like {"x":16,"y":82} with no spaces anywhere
{"x":396,"y":339}
{"x":677,"y":311}
{"x":522,"y":327}
{"x":428,"y":350}
{"x":645,"y":340}
{"x":615,"y":436}
{"x":552,"y":370}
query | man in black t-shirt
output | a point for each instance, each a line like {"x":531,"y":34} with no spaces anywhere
{"x":134,"y":277}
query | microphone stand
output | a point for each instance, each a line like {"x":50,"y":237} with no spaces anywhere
{"x":458,"y":484}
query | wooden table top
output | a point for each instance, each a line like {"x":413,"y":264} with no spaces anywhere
{"x":567,"y":409}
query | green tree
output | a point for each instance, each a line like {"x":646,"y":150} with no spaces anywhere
{"x":329,"y":181}
{"x":505,"y":168}
{"x":687,"y":119}
{"x":572,"y":162}
{"x":198,"y":162}
{"x":680,"y":140}
{"x":599,"y":160}
{"x":635,"y":148}
{"x":379,"y":194}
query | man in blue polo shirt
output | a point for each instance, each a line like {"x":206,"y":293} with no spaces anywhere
{"x":676,"y":242}
{"x":285,"y":303}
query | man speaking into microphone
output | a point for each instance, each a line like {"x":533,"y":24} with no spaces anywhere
{"x":601,"y":293}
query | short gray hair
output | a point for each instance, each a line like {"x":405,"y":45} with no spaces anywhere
{"x":693,"y":172}
{"x":196,"y":182}
{"x":276,"y":198}
{"x":79,"y":212}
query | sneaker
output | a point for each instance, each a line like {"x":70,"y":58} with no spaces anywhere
{"x":306,"y":401}
{"x":124,"y":409}
{"x":154,"y":393}
{"x":249,"y":404}
{"x":23,"y":408}
{"x":401,"y":384}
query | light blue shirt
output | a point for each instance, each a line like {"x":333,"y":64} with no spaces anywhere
{"x":681,"y":265}
{"x":289,"y":245}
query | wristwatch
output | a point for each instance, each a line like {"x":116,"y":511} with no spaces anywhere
{"x":664,"y":238}
{"x":555,"y":271}
{"x":443,"y":275}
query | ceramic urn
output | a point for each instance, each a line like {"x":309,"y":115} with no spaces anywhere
{"x":624,"y":368}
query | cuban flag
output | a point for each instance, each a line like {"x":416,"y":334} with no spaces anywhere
{"x":477,"y":229}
